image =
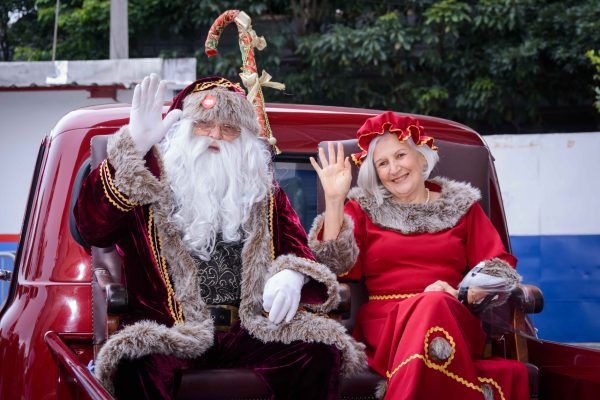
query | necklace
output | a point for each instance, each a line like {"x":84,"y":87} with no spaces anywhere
{"x":427,"y":199}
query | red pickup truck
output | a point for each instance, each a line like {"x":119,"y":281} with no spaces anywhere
{"x":47,"y":335}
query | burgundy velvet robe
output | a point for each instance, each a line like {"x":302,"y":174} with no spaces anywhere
{"x":103,"y":224}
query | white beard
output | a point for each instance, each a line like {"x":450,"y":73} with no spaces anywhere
{"x":213,"y":191}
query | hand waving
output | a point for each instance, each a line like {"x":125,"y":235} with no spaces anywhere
{"x":146,"y":125}
{"x":335,"y":173}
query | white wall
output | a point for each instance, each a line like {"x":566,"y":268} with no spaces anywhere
{"x":550,"y":182}
{"x":25,"y":117}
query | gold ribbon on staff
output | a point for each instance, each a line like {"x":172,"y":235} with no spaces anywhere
{"x":253,"y":83}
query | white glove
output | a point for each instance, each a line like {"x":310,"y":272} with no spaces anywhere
{"x":146,"y":125}
{"x":281,"y":296}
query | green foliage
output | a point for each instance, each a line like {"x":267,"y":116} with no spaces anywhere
{"x":497,"y":65}
{"x":595,"y":59}
{"x":11,"y":12}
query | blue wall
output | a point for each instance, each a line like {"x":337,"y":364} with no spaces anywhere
{"x":567,"y":269}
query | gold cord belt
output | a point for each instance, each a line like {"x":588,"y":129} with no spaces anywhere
{"x":392,"y":296}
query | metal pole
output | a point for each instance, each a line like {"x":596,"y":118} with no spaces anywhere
{"x":55,"y":29}
{"x":119,"y":30}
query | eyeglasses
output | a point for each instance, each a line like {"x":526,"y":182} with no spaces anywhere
{"x":228,"y":132}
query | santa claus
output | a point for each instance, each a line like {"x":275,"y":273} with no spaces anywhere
{"x":216,"y":262}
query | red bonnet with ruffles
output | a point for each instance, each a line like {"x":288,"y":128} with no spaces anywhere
{"x":402,"y":125}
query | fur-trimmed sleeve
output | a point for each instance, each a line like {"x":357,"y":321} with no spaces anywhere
{"x":113,"y":191}
{"x":135,"y":177}
{"x":341,"y":255}
{"x":321,"y":292}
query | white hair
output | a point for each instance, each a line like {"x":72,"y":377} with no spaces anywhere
{"x":213,"y":192}
{"x":368,"y":180}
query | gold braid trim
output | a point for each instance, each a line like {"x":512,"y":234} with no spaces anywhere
{"x":450,"y":339}
{"x":271,"y":208}
{"x":178,"y":308}
{"x":111,"y":198}
{"x":116,"y":194}
{"x":162,"y":269}
{"x":389,"y":296}
{"x":493,"y":383}
{"x":443,"y":368}
{"x":224,"y":83}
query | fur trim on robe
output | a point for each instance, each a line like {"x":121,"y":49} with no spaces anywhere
{"x":192,"y":338}
{"x":455,"y":200}
{"x":340,"y":254}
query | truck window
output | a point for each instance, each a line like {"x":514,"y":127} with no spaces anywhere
{"x":299,"y":181}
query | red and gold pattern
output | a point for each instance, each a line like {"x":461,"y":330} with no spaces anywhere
{"x":403,"y":126}
{"x":222,"y":82}
{"x":247,"y":42}
{"x":175,"y":309}
{"x":443,"y":368}
{"x":114,"y":196}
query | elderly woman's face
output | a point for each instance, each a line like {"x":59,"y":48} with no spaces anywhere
{"x":399,"y":167}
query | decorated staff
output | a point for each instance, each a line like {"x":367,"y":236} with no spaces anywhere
{"x":248,"y":40}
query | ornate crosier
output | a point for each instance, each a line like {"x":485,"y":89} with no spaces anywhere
{"x":248,"y":40}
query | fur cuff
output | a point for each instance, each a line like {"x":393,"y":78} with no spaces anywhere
{"x":148,"y":337}
{"x":309,"y":327}
{"x":340,"y":254}
{"x":381,"y":389}
{"x":131,"y":175}
{"x":314,"y":270}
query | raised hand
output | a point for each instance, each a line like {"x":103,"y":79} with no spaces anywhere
{"x":146,"y":125}
{"x":335,"y":173}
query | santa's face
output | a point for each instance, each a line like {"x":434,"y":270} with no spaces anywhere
{"x":216,"y":177}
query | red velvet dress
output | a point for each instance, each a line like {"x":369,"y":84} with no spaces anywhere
{"x":399,"y":321}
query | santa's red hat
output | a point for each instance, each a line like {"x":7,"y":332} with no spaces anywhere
{"x":217,"y":99}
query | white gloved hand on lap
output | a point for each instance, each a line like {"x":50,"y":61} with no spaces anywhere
{"x":146,"y":125}
{"x":281,"y":296}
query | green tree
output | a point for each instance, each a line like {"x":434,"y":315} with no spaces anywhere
{"x":497,"y":65}
{"x":11,"y":11}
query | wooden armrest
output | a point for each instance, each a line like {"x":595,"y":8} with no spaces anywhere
{"x":344,"y":308}
{"x":115,"y":292}
{"x":528,"y":298}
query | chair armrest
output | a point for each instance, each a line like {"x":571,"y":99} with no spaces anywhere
{"x":115,"y":292}
{"x":344,"y":308}
{"x":528,"y":298}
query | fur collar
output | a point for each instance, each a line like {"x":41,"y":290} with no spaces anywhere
{"x":455,"y":200}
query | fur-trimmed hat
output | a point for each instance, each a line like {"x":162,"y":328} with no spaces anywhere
{"x":217,"y":99}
